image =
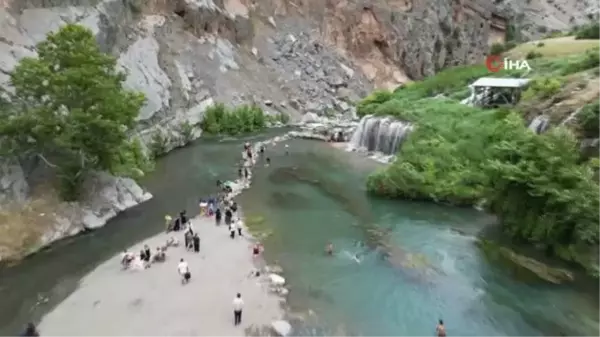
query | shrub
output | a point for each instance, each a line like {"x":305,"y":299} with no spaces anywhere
{"x":540,"y":44}
{"x":243,"y":119}
{"x":497,"y":48}
{"x":158,"y":144}
{"x":589,"y":60}
{"x":591,"y":31}
{"x":187,"y":132}
{"x":542,"y":88}
{"x":367,"y":105}
{"x":533,"y":55}
{"x":588,"y":120}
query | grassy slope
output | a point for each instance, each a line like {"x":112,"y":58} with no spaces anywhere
{"x":555,"y":47}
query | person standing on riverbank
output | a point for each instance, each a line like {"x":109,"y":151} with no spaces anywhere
{"x":196,"y":242}
{"x":232,"y":230}
{"x":184,"y":271}
{"x":238,"y":224}
{"x":238,"y":305}
{"x":218,"y":216}
{"x":30,"y":330}
{"x":228,"y":216}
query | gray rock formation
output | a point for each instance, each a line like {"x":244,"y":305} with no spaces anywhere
{"x":536,"y":19}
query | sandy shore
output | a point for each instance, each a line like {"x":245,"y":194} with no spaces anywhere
{"x":112,"y":301}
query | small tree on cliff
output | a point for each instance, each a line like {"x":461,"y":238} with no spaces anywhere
{"x":70,"y":110}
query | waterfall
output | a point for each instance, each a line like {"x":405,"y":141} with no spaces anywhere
{"x":379,"y":134}
{"x":472,"y":97}
{"x":539,"y":124}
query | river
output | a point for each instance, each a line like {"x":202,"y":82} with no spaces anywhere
{"x":398,"y":267}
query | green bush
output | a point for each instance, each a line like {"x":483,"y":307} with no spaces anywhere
{"x":589,"y":60}
{"x":542,"y":88}
{"x":540,"y":44}
{"x":588,"y":32}
{"x":588,"y":120}
{"x":243,"y":119}
{"x":366,"y":105}
{"x":533,"y":55}
{"x":187,"y":132}
{"x":497,"y":48}
{"x":159,"y":144}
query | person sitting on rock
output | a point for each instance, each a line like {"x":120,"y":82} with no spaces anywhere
{"x":126,"y":258}
{"x":159,"y":256}
{"x":172,"y":242}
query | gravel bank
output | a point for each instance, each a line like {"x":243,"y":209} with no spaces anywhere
{"x":112,"y":301}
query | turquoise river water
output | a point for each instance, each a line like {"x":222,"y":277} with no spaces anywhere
{"x":398,"y":267}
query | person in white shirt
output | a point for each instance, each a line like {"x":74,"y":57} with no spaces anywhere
{"x":238,"y":224}
{"x":190,"y":227}
{"x":184,"y":271}
{"x":238,"y":305}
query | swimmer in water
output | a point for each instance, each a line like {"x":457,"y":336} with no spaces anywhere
{"x":329,"y":249}
{"x":268,"y":161}
{"x":440,"y":330}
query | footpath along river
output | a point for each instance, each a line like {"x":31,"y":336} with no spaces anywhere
{"x":310,"y":196}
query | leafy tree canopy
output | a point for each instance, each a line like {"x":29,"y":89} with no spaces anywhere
{"x":69,"y":108}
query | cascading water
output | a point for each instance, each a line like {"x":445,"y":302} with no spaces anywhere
{"x":380,"y":134}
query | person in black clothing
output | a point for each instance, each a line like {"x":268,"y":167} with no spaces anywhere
{"x":268,"y":161}
{"x":218,"y":216}
{"x":240,"y":173}
{"x":228,"y":216}
{"x":146,"y":253}
{"x":196,"y":240}
{"x":177,"y":225}
{"x":262,"y":149}
{"x":246,"y":173}
{"x":30,"y":330}
{"x":183,"y":217}
{"x":234,"y":207}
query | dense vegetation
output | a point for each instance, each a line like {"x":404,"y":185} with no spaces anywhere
{"x":218,"y":119}
{"x":70,"y":110}
{"x":591,"y":31}
{"x":539,"y":186}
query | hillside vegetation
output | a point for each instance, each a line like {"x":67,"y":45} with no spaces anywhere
{"x":542,"y":189}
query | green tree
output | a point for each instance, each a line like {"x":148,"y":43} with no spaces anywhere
{"x":69,"y":108}
{"x":542,"y":195}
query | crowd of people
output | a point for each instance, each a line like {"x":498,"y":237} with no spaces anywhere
{"x":222,"y":207}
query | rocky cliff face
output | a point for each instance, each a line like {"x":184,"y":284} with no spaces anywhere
{"x":537,"y":18}
{"x":294,"y":56}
